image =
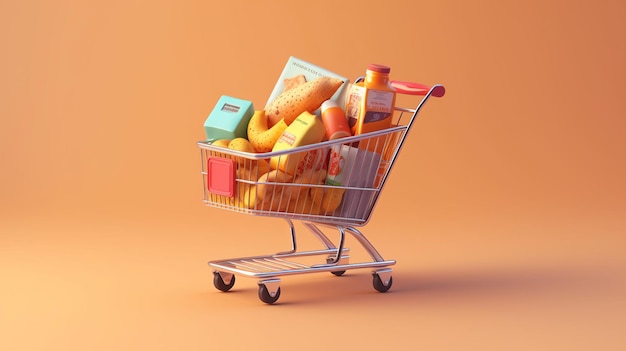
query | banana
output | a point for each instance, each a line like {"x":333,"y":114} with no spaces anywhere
{"x":251,"y":201}
{"x":221,"y":142}
{"x":328,"y":199}
{"x":274,"y":204}
{"x":304,"y":205}
{"x":266,"y":190}
{"x":261,"y":137}
{"x":242,"y":144}
{"x":262,"y":166}
{"x":308,"y":177}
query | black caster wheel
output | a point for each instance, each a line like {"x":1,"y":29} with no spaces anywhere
{"x":265,"y":296}
{"x":218,"y":281}
{"x":337,"y":273}
{"x":379,"y":285}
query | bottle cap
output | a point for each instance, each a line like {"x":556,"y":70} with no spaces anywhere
{"x":328,"y":104}
{"x":378,"y":68}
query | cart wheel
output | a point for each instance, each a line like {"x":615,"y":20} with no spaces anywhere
{"x":337,"y":273}
{"x":379,"y":285}
{"x":218,"y":281}
{"x":265,"y":296}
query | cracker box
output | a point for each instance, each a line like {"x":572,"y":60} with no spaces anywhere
{"x":297,"y":71}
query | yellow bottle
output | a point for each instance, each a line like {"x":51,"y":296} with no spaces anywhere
{"x":304,"y":130}
{"x":370,"y":106}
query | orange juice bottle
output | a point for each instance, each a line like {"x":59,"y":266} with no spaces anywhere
{"x":370,"y":106}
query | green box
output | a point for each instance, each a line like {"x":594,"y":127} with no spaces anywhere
{"x":229,"y":119}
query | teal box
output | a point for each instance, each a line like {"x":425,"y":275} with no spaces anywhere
{"x":229,"y":119}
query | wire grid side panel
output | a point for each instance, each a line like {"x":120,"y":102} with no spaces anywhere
{"x":340,"y":186}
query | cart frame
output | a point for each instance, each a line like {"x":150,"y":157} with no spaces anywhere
{"x":268,"y":269}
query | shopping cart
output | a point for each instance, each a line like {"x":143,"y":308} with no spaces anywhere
{"x":234,"y":180}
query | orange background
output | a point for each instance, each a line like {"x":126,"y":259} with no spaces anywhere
{"x":505,"y":210}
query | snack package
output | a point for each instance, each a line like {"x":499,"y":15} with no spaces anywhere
{"x":306,"y":129}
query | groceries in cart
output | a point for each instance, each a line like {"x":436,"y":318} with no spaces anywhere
{"x":318,"y":152}
{"x":299,"y":154}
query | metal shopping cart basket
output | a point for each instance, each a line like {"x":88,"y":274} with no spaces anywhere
{"x":234,"y":180}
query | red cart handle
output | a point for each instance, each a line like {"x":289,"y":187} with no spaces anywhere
{"x":410,"y":88}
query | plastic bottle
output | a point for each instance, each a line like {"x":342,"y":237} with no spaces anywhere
{"x":370,"y":105}
{"x":335,"y":121}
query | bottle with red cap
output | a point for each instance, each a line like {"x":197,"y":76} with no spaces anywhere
{"x":335,"y":121}
{"x":370,"y":105}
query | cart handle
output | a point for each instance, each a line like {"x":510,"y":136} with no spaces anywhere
{"x":411,"y":88}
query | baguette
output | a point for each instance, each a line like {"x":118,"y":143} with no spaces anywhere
{"x":305,"y":97}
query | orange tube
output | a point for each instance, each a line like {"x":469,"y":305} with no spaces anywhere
{"x":334,"y":120}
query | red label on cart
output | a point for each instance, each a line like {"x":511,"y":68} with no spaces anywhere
{"x":221,"y":174}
